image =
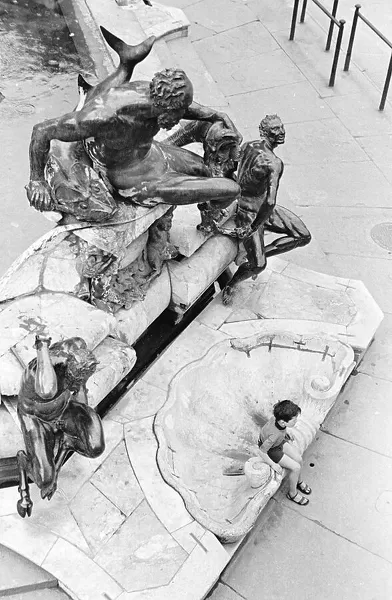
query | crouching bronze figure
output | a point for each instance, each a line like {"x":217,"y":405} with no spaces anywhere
{"x":54,"y":415}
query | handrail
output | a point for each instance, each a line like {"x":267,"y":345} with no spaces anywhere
{"x":358,"y":15}
{"x":334,"y":21}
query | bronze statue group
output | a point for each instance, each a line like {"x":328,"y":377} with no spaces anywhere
{"x":112,"y":157}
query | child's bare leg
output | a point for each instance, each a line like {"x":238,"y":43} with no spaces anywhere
{"x":293,"y":452}
{"x":294,"y":469}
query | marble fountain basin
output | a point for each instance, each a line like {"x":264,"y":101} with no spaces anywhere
{"x":208,"y":429}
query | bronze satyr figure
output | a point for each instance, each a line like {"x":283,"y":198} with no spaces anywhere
{"x":54,"y":415}
{"x":259,"y":173}
{"x":118,"y":123}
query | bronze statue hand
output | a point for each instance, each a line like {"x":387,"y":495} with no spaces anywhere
{"x":39,"y":195}
{"x":244,"y":232}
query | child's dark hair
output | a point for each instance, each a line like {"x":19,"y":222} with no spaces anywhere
{"x":286,"y":410}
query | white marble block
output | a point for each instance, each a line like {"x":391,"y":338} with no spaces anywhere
{"x":115,"y":360}
{"x":132,"y":322}
{"x":191,"y":276}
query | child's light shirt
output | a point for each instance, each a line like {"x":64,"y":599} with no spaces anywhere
{"x":271,"y":436}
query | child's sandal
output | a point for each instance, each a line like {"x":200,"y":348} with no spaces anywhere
{"x":304,"y":488}
{"x":298,"y":499}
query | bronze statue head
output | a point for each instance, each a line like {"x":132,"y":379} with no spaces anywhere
{"x":171,"y":93}
{"x":221,"y":150}
{"x":272,"y":128}
{"x":80,"y":366}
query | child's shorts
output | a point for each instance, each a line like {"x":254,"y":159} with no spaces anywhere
{"x":275,"y":453}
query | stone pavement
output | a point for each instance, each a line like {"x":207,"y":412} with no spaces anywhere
{"x":338,"y":174}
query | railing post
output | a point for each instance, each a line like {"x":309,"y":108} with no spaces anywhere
{"x":352,"y":36}
{"x":336,"y":55}
{"x":331,"y":25}
{"x":294,"y":20}
{"x":303,"y":11}
{"x":386,"y":85}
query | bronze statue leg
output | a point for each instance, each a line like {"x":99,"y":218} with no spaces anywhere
{"x":189,"y":181}
{"x":256,"y":263}
{"x":283,"y":220}
{"x":184,"y":189}
{"x":82,"y":429}
{"x":38,"y":461}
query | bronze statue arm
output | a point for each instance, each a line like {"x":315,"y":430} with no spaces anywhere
{"x":202,"y":113}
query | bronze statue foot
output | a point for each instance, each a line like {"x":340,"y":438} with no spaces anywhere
{"x":24,"y":506}
{"x":227,"y":295}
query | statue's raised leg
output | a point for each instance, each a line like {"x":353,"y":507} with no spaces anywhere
{"x":296,"y":233}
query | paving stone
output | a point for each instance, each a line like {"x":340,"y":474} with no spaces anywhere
{"x":141,"y":400}
{"x":246,"y":75}
{"x":360,"y":413}
{"x":378,"y":359}
{"x":295,"y":103}
{"x":338,"y":184}
{"x":272,"y":14}
{"x":347,"y":230}
{"x":223,"y":592}
{"x":326,"y":141}
{"x":79,"y":574}
{"x":142,"y":448}
{"x":305,"y":560}
{"x":220,"y":14}
{"x":17,"y":573}
{"x":116,"y":480}
{"x":379,"y":148}
{"x":25,"y":538}
{"x":360,"y":114}
{"x":250,"y":40}
{"x":372,"y":271}
{"x":142,"y":554}
{"x":350,"y":501}
{"x":96,"y":516}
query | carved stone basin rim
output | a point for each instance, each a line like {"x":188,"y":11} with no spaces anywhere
{"x":209,"y":426}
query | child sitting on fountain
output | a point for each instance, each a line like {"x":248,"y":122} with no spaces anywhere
{"x":278,"y":451}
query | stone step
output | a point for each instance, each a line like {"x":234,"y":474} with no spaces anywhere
{"x":47,"y":594}
{"x":19,"y":576}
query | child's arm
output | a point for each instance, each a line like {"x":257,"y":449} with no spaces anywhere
{"x":274,"y":466}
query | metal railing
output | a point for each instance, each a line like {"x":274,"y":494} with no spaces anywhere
{"x":358,"y":15}
{"x":332,"y":16}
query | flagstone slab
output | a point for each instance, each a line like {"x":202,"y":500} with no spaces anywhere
{"x":31,"y":541}
{"x":164,"y":500}
{"x":309,"y":555}
{"x":142,"y":400}
{"x":79,"y":574}
{"x":96,"y":516}
{"x":142,"y":554}
{"x":356,"y":499}
{"x":365,"y":400}
{"x":116,"y":480}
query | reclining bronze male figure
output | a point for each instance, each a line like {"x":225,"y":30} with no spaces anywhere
{"x":118,"y":123}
